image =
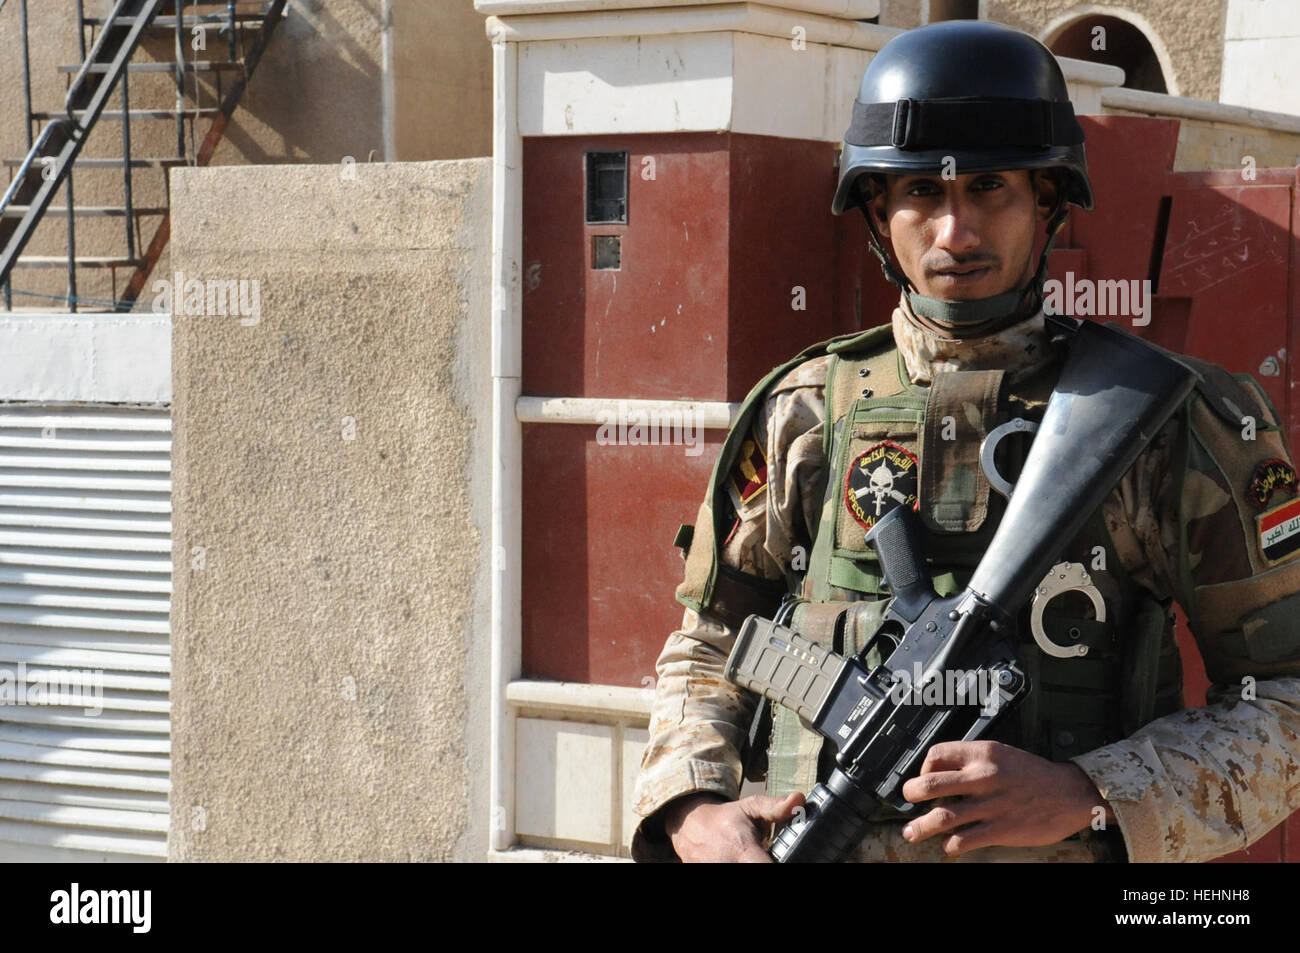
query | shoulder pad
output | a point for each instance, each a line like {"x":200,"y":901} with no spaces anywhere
{"x":859,"y":340}
{"x":1227,"y":396}
{"x":811,"y":373}
{"x":1224,"y":394}
{"x":808,"y":368}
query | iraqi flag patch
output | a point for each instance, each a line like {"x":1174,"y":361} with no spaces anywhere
{"x":1279,"y":531}
{"x":880,"y":478}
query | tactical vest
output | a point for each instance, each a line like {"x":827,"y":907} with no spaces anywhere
{"x":889,"y":442}
{"x":928,"y":439}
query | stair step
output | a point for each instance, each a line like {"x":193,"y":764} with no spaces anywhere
{"x":94,"y":211}
{"x":145,"y":162}
{"x":116,"y":114}
{"x":243,"y":21}
{"x":164,"y":66}
{"x":83,"y":261}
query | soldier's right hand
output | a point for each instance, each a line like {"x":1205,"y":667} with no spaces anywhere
{"x":704,"y":828}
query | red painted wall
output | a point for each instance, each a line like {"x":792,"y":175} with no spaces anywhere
{"x":599,"y":565}
{"x":701,"y":308}
{"x":589,"y":333}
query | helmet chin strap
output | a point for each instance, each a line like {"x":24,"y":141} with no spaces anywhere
{"x":982,"y":316}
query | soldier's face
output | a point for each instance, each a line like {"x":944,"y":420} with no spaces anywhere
{"x":968,"y":237}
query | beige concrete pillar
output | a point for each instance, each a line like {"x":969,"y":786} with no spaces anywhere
{"x":330,"y":613}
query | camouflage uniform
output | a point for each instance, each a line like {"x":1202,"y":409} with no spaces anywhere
{"x":1188,"y":786}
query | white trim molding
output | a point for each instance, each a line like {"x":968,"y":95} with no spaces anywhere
{"x":709,"y":414}
{"x":1158,"y":104}
{"x":610,"y":701}
{"x":507,"y":433}
{"x":843,"y":9}
{"x":762,"y":19}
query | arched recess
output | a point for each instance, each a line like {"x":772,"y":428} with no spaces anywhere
{"x":1116,"y":37}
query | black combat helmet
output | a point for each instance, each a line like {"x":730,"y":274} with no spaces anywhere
{"x":958,"y":97}
{"x":986,"y":95}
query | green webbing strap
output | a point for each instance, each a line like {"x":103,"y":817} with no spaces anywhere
{"x":961,"y":314}
{"x":711,"y":587}
{"x":795,"y":749}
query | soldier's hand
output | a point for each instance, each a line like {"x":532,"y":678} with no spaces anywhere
{"x":705,"y":828}
{"x":1002,"y":796}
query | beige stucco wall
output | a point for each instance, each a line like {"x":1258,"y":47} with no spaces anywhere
{"x":903,"y":14}
{"x":330,"y":659}
{"x":442,"y":81}
{"x":320,"y":93}
{"x":1190,"y":31}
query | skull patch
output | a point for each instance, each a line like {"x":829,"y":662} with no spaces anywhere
{"x":879,"y":479}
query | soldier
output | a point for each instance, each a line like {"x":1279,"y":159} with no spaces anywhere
{"x":963,"y":143}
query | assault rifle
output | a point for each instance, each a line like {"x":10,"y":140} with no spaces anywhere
{"x":1114,"y":394}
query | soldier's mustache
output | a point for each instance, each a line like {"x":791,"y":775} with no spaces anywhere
{"x":949,"y":262}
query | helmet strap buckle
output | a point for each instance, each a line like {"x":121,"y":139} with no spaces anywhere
{"x":902,"y":111}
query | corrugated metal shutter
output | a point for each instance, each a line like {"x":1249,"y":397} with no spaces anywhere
{"x":85,"y":586}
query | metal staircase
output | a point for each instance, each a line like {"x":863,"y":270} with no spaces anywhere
{"x":55,"y":138}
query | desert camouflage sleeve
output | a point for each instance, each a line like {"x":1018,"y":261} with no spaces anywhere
{"x":1189,"y":524}
{"x":699,"y":720}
